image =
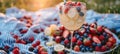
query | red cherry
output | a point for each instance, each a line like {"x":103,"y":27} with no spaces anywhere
{"x":43,"y":52}
{"x":107,"y":31}
{"x":37,"y":42}
{"x":92,"y":30}
{"x":78,"y":4}
{"x":58,"y":39}
{"x":31,"y":39}
{"x":77,"y":48}
{"x":101,"y":37}
{"x":6,"y":47}
{"x":61,"y":52}
{"x":18,"y":41}
{"x":109,"y":44}
{"x":66,"y":33}
{"x":66,"y":10}
{"x":39,"y":47}
{"x":112,"y":39}
{"x":62,"y":28}
{"x":100,"y":28}
{"x":103,"y":48}
{"x":87,"y":42}
{"x":74,"y":39}
{"x":23,"y":31}
{"x":66,"y":41}
{"x":90,"y":35}
{"x":79,"y":42}
{"x":69,"y":2}
{"x":34,"y":45}
{"x":15,"y":36}
{"x":60,"y":8}
{"x":15,"y":51}
{"x":23,"y":42}
{"x":97,"y":48}
{"x":96,"y":39}
{"x":36,"y":31}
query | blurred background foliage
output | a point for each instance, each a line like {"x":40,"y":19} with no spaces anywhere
{"x":102,"y":6}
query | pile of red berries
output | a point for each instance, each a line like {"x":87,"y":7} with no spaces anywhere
{"x":88,"y":38}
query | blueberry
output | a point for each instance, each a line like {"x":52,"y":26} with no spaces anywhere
{"x":103,"y":42}
{"x":76,"y":32}
{"x":54,"y":52}
{"x":45,"y":38}
{"x":35,"y":51}
{"x":31,"y":49}
{"x":85,"y":35}
{"x":91,"y":49}
{"x":107,"y":48}
{"x":94,"y":44}
{"x":78,"y":9}
{"x":73,"y":45}
{"x":83,"y":49}
{"x":77,"y":36}
{"x":11,"y":48}
{"x":61,"y":11}
{"x":99,"y":45}
{"x":80,"y":39}
{"x":67,"y":45}
{"x":62,"y":42}
{"x":87,"y":30}
{"x":87,"y":48}
{"x":81,"y":13}
{"x":104,"y":34}
{"x":82,"y":46}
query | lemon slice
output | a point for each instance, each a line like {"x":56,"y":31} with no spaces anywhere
{"x":59,"y":47}
{"x":50,"y":43}
{"x":47,"y":31}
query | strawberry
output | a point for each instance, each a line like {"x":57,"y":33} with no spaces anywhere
{"x":31,"y":39}
{"x":77,"y":48}
{"x":66,"y":10}
{"x":92,"y":30}
{"x":43,"y":52}
{"x":23,"y":31}
{"x":103,"y":48}
{"x":79,"y":42}
{"x":109,"y":44}
{"x":78,"y":4}
{"x":74,"y":39}
{"x":100,"y":28}
{"x":96,"y":39}
{"x":61,"y":52}
{"x":15,"y":36}
{"x":23,"y":42}
{"x":87,"y":42}
{"x":66,"y":33}
{"x":58,"y":39}
{"x":6,"y":47}
{"x":69,"y":2}
{"x":97,"y":48}
{"x":93,"y":25}
{"x":90,"y":36}
{"x":15,"y":51}
{"x":60,"y":8}
{"x":66,"y":41}
{"x":37,"y":42}
{"x":62,"y":28}
{"x":36,"y":31}
{"x":34,"y":45}
{"x":101,"y":37}
{"x":18,"y":41}
{"x":107,"y":31}
{"x":112,"y":39}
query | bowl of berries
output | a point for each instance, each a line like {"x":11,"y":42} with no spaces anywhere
{"x":89,"y":39}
